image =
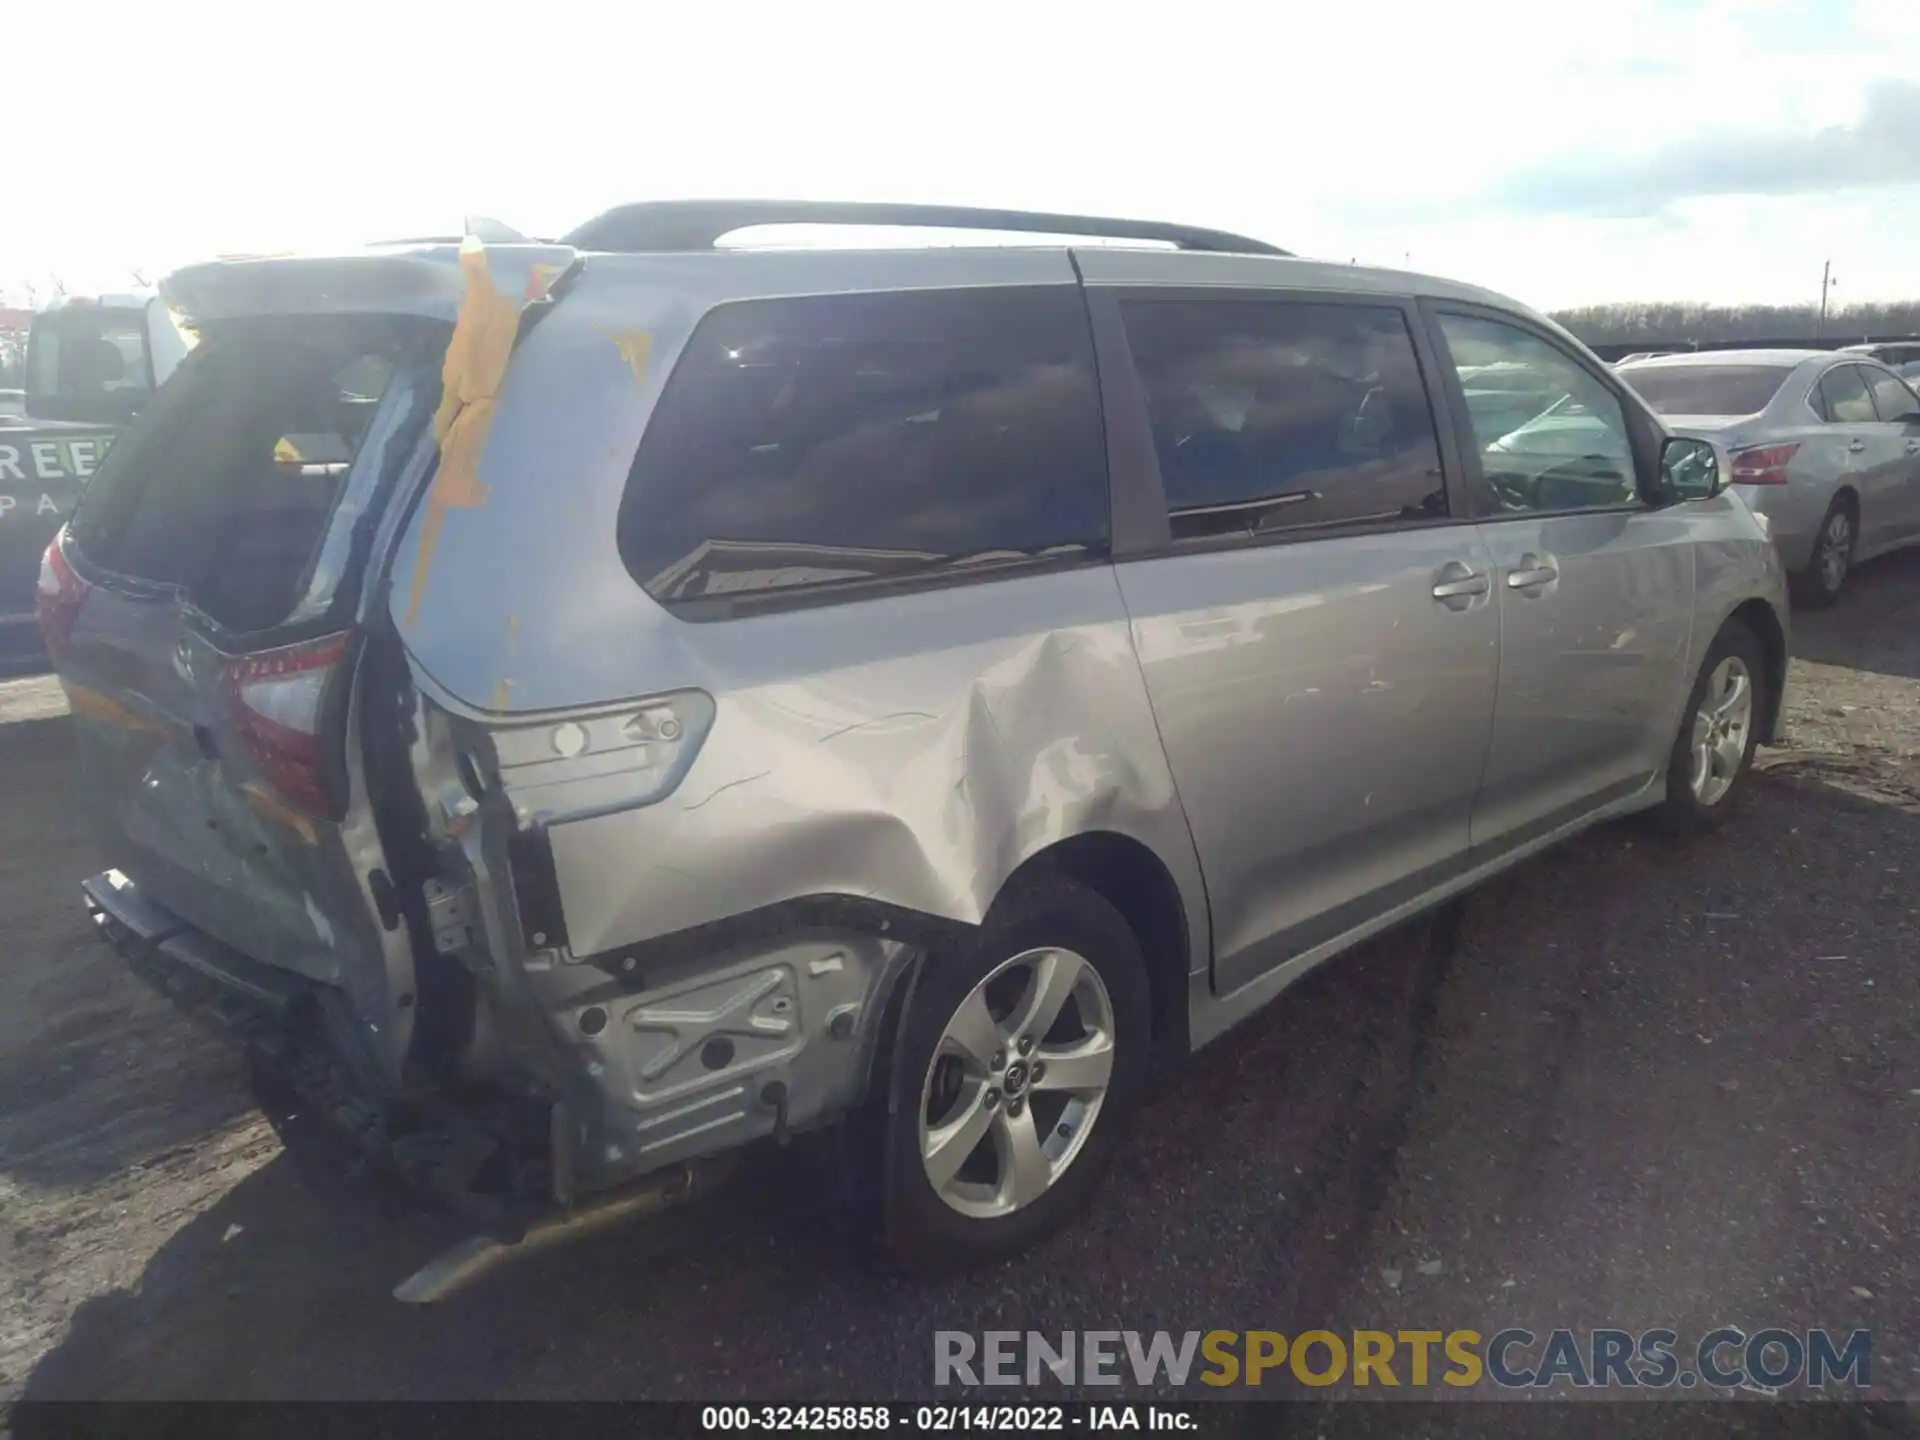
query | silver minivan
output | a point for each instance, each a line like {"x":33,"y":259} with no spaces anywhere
{"x":575,"y":710}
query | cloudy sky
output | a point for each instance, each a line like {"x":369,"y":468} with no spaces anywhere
{"x":1638,"y":149}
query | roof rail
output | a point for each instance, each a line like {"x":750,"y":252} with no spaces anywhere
{"x":678,"y":225}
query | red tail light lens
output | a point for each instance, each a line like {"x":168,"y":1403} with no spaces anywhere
{"x":59,"y":597}
{"x":278,"y":702}
{"x":1763,"y":464}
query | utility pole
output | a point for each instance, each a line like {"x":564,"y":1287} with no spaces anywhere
{"x":1826,"y":283}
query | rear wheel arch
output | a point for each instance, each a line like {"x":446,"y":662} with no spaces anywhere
{"x":1129,"y":876}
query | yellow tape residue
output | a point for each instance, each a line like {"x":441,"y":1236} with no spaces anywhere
{"x":636,"y":348}
{"x":476,"y":361}
{"x":272,"y":807}
{"x":96,"y":705}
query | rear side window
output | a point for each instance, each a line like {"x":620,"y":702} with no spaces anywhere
{"x":1707,"y":389}
{"x":1272,"y":415}
{"x":1891,"y":398}
{"x":818,"y":446}
{"x":1843,"y":397}
{"x":229,"y":484}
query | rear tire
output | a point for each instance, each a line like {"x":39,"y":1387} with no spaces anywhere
{"x":1707,"y":770}
{"x":1820,"y":584}
{"x":999,"y":1124}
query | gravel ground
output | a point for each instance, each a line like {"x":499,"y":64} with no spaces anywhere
{"x":1635,"y":1084}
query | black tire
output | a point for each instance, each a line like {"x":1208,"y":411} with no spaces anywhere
{"x":1683,"y":812}
{"x":1819,"y":585}
{"x":919,"y":1230}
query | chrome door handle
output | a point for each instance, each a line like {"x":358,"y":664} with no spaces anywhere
{"x":1913,"y":447}
{"x":1856,"y":446}
{"x":1465,"y":585}
{"x":1530,"y":575}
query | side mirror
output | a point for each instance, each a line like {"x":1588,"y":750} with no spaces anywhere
{"x":1912,"y":417}
{"x":1690,"y":469}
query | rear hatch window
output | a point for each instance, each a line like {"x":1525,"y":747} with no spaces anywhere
{"x":240,"y":485}
{"x":1707,"y":389}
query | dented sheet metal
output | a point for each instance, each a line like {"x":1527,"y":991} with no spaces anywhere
{"x":921,"y":777}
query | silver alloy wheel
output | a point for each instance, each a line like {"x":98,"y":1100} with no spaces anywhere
{"x":1836,"y":550}
{"x":1720,"y":728}
{"x":1016,"y":1082}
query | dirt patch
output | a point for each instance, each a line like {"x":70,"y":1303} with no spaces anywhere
{"x":117,"y":1124}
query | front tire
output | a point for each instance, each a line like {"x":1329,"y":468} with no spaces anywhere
{"x":1707,"y":770}
{"x":1019,"y":1067}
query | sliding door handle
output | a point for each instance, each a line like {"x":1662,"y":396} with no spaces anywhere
{"x":1465,"y":585}
{"x":1533,"y":570}
{"x":1527,"y":579}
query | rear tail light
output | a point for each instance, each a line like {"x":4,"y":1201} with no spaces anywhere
{"x":59,"y":597}
{"x":279,"y":701}
{"x":1763,"y":464}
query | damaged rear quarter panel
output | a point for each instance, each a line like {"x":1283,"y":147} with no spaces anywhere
{"x":914,"y":750}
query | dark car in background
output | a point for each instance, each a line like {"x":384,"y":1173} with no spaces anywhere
{"x":92,"y":362}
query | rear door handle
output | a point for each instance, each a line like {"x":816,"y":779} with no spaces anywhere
{"x":1856,"y":446}
{"x":1913,"y":447}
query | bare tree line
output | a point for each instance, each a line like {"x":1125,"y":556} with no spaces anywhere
{"x":1674,"y":321}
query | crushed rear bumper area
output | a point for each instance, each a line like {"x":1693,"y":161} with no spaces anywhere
{"x":487,"y":1156}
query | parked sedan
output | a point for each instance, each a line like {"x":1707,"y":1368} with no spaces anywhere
{"x":1825,"y":444}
